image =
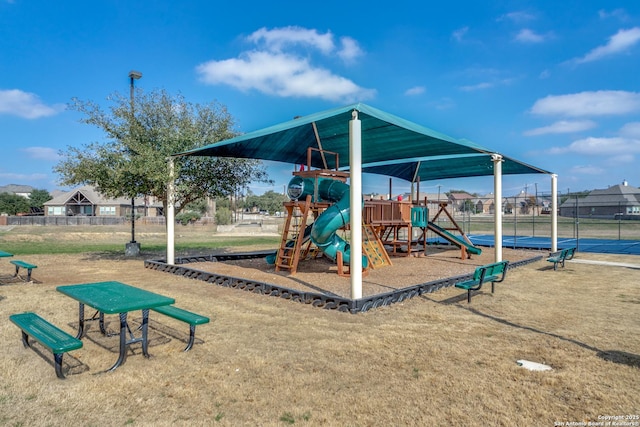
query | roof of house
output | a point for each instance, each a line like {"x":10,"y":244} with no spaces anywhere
{"x":93,"y":196}
{"x":16,"y":188}
{"x":623,"y":195}
{"x":460,"y":196}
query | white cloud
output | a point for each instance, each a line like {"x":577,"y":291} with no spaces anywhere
{"x":478,"y":86}
{"x":444,"y":104}
{"x":620,"y":14}
{"x":620,"y":160}
{"x":26,"y":105}
{"x":460,"y":33}
{"x":279,"y":38}
{"x":282,"y":65}
{"x":529,"y":36}
{"x":416,"y":90}
{"x":604,"y":146}
{"x":22,"y":177}
{"x":631,"y":130}
{"x":281,"y":75}
{"x":517,"y":17}
{"x":581,"y":104}
{"x":619,"y":42}
{"x":42,"y":153}
{"x":487,"y":84}
{"x":545,"y":74}
{"x":350,"y":50}
{"x":587,"y":170}
{"x":562,"y":126}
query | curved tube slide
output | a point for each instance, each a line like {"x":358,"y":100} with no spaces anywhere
{"x":324,"y":228}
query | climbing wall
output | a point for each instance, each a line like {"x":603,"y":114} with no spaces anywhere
{"x":373,"y":248}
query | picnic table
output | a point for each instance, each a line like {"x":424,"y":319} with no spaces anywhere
{"x":116,"y":298}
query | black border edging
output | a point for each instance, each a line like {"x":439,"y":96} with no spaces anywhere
{"x":315,"y":299}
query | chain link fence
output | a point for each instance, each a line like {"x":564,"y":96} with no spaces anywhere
{"x":596,"y":216}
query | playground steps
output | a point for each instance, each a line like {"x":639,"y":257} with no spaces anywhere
{"x":293,"y":235}
{"x":373,"y":247}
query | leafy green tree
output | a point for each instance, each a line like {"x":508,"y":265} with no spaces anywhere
{"x":38,"y":198}
{"x":12,"y":204}
{"x":139,"y":138}
{"x":269,"y":201}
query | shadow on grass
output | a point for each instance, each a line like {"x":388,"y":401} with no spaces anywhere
{"x":615,"y":356}
{"x":70,"y":365}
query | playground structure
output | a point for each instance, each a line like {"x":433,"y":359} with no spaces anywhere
{"x":323,"y":196}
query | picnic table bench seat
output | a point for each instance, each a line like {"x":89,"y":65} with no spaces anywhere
{"x":21,"y":264}
{"x":50,"y":336}
{"x":561,"y":256}
{"x":183,"y":315}
{"x":492,"y":273}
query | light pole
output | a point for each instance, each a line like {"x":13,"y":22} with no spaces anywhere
{"x":133,"y":248}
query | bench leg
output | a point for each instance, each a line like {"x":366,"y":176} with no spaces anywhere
{"x":468,"y":296}
{"x":58,"y":360}
{"x":17,"y":271}
{"x":28,"y":274}
{"x":192,"y":337}
{"x":56,"y":357}
{"x":25,"y":339}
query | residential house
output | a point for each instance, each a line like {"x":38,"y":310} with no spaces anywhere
{"x":19,"y":190}
{"x":619,"y":201}
{"x":86,"y":201}
{"x":461,"y":201}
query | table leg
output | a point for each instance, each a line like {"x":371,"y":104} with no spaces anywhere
{"x":123,"y":342}
{"x":101,"y":323}
{"x":145,"y":328}
{"x":80,"y":321}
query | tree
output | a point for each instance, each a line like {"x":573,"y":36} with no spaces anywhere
{"x":269,"y":201}
{"x":38,"y":198}
{"x":12,"y":204}
{"x":141,"y":136}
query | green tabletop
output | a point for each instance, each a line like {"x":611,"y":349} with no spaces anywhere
{"x":114,"y":297}
{"x":5,"y":254}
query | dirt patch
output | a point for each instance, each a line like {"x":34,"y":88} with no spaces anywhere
{"x":320,"y":274}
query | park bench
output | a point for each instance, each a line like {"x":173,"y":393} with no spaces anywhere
{"x":24,"y":265}
{"x":192,"y":319}
{"x":47,"y":334}
{"x":493,"y":273}
{"x":561,"y":256}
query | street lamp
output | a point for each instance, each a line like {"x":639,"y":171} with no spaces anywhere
{"x":133,"y":248}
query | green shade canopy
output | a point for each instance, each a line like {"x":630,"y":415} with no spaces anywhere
{"x":391,"y":146}
{"x":443,"y":167}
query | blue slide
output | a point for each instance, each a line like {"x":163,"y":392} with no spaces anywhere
{"x":453,"y":238}
{"x":323,"y":230}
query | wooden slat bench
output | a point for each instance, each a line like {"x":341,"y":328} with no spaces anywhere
{"x":561,"y":256}
{"x":493,"y":273}
{"x":47,"y":334}
{"x":24,"y":265}
{"x":192,"y":319}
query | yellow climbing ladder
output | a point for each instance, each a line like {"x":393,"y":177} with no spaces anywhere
{"x":373,"y":247}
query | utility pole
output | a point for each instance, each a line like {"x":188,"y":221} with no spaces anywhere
{"x":133,"y":248}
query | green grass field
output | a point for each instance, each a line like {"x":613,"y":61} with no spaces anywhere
{"x":112,"y":239}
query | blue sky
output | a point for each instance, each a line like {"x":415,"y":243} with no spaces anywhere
{"x":552,"y":83}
